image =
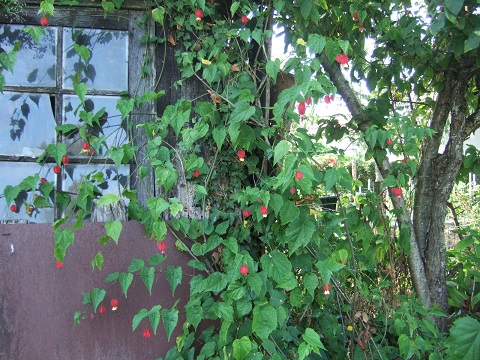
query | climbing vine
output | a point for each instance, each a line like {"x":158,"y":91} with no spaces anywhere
{"x":293,"y":261}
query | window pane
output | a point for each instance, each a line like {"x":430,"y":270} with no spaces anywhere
{"x":113,"y":181}
{"x":27,"y":123}
{"x":107,"y":129}
{"x":35,"y":65}
{"x":12,"y":173}
{"x":107,"y":58}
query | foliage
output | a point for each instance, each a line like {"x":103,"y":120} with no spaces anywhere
{"x":320,"y":283}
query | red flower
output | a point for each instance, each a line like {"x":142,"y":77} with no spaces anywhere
{"x":162,"y":246}
{"x":326,"y":99}
{"x":44,"y":21}
{"x":299,"y":175}
{"x":85,"y":146}
{"x":292,"y":190}
{"x":302,"y":108}
{"x":342,"y":59}
{"x":308,"y":101}
{"x":43,"y":180}
{"x":13,"y":208}
{"x":389,"y":142}
{"x":241,"y":155}
{"x":355,"y":16}
{"x":199,"y":14}
{"x":59,"y":264}
{"x":264,"y":210}
{"x":102,"y":309}
{"x":326,"y":289}
{"x":147,"y":333}
{"x":196,"y":173}
{"x":244,"y":19}
{"x":65,"y":160}
{"x":397,"y":192}
{"x":57,"y":169}
{"x":114,"y":303}
{"x":244,"y":270}
{"x":246,"y":213}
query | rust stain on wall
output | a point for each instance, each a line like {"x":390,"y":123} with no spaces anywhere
{"x":38,"y":300}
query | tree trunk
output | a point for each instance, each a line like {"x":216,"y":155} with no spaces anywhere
{"x":437,"y":171}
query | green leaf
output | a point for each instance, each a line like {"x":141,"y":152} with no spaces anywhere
{"x":136,"y":265}
{"x":108,"y":199}
{"x":116,"y":154}
{"x":404,"y":238}
{"x":125,"y":106}
{"x":157,"y":206}
{"x":112,"y":277}
{"x":125,"y":280}
{"x":299,"y":233}
{"x":264,"y":320}
{"x":281,"y":149}
{"x":137,"y":319}
{"x":170,"y":320}
{"x":316,"y":43}
{"x":219,"y":134}
{"x":80,"y":89}
{"x":97,"y":261}
{"x":147,"y":274}
{"x":174,"y":277}
{"x":36,"y":32}
{"x":97,"y":296}
{"x":156,"y":259}
{"x":242,"y":112}
{"x":234,"y":7}
{"x":56,"y":151}
{"x":10,"y":192}
{"x":273,"y":68}
{"x":154,"y":317}
{"x":473,"y":40}
{"x":113,"y":229}
{"x":83,"y":52}
{"x":275,"y":264}
{"x":310,"y":281}
{"x":289,"y":212}
{"x":158,"y":14}
{"x":454,"y":6}
{"x":464,"y":340}
{"x":241,"y":348}
{"x":312,"y":338}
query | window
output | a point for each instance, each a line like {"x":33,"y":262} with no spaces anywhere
{"x":40,"y":96}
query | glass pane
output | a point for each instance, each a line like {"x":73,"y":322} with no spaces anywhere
{"x":113,"y":181}
{"x":12,"y":173}
{"x":27,"y":123}
{"x":106,"y":64}
{"x":107,"y":129}
{"x":35,"y":64}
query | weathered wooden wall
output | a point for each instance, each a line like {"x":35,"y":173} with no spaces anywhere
{"x":38,"y":301}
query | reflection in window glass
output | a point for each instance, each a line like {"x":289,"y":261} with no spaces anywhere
{"x":106,"y":68}
{"x":27,"y":123}
{"x":35,"y":65}
{"x":12,"y":173}
{"x":107,"y":129}
{"x":107,"y":178}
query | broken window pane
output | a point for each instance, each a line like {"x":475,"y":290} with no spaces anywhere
{"x":98,"y":56}
{"x":27,"y":124}
{"x":35,"y":64}
{"x":104,"y":122}
{"x":12,"y":173}
{"x":107,"y":179}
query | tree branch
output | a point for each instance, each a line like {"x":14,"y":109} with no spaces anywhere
{"x":355,"y":107}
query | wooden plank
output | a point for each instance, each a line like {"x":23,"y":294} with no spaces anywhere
{"x":137,"y":85}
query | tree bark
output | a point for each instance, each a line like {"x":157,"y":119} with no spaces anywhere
{"x":436,"y":175}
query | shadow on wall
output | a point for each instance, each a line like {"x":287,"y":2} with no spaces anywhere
{"x":38,"y":300}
